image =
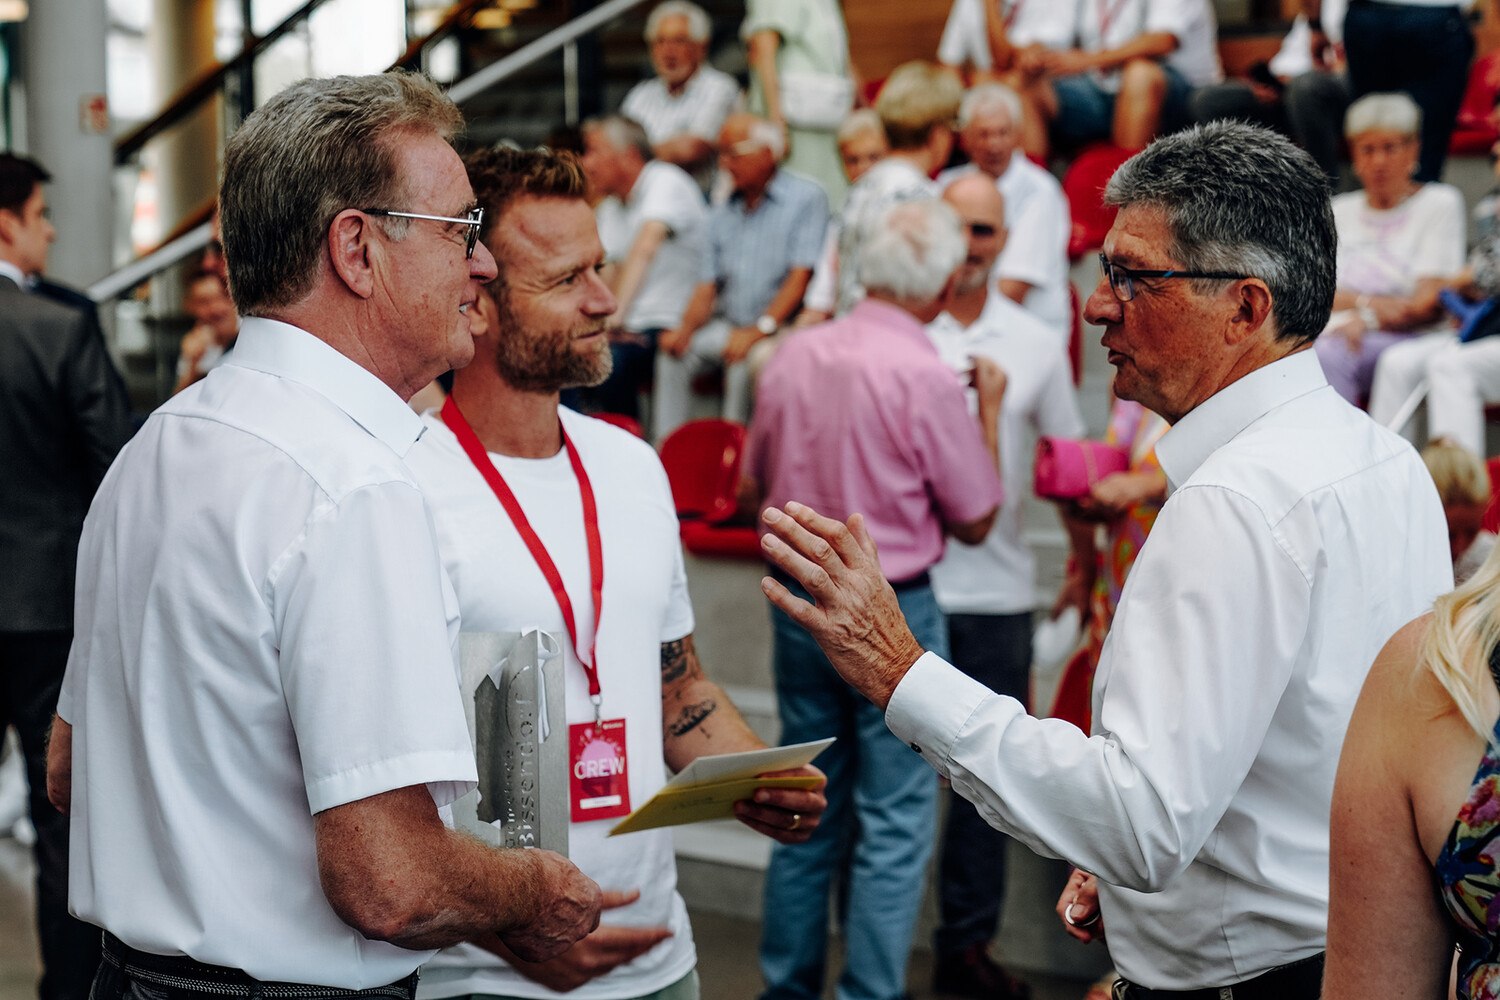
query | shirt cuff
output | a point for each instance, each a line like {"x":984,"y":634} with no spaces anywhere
{"x":931,"y":706}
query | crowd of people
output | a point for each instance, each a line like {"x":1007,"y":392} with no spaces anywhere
{"x":383,"y":438}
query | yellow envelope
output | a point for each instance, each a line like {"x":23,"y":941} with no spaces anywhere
{"x":709,"y":787}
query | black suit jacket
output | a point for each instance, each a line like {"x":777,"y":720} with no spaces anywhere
{"x":63,"y":417}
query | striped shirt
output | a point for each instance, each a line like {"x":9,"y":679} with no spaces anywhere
{"x":706,"y":100}
{"x":751,"y":252}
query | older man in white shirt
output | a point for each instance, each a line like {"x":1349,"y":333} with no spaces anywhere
{"x":1297,"y":537}
{"x":261,"y":715}
{"x":685,"y":104}
{"x":1033,"y":267}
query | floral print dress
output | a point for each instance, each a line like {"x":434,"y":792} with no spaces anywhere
{"x":1468,"y":875}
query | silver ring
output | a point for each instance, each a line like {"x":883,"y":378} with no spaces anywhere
{"x":796,"y":821}
{"x":1068,"y":916}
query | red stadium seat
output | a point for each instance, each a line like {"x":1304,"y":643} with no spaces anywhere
{"x":1491,"y":521}
{"x":622,"y":421}
{"x":1473,"y":135}
{"x":702,"y":459}
{"x":1084,"y":185}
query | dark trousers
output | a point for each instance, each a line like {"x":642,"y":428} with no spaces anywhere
{"x":996,"y":651}
{"x":1424,"y":51}
{"x":31,"y":671}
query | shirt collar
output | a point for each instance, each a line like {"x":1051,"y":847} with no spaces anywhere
{"x":891,"y":317}
{"x":1222,"y":416}
{"x":14,"y":273}
{"x":288,"y":352}
{"x":775,"y":189}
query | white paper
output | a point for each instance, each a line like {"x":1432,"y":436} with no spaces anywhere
{"x":748,"y":764}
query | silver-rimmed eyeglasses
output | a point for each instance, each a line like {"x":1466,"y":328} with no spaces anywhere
{"x":474,"y":220}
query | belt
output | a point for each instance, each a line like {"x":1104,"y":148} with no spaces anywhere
{"x":177,"y":972}
{"x":1300,"y":980}
{"x":922,"y":579}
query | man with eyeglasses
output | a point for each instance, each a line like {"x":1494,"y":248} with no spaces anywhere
{"x":1297,"y":537}
{"x":261,"y":717}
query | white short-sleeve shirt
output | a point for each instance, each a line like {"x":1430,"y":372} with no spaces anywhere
{"x":998,"y":576}
{"x":1038,"y":225}
{"x":1110,"y":24}
{"x":668,"y":194}
{"x":264,"y":632}
{"x":646,"y":603}
{"x":708,"y":97}
{"x":1028,"y":22}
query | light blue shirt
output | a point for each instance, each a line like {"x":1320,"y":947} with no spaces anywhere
{"x":751,"y":252}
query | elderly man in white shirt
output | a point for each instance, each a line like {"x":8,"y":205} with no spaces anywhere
{"x":261,"y":715}
{"x":1033,"y":267}
{"x":988,"y":591}
{"x":1297,"y":537}
{"x":685,"y":104}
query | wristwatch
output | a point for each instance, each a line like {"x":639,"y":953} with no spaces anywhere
{"x":766,"y":324}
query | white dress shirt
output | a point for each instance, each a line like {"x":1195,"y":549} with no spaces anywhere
{"x":1298,"y":536}
{"x":264,"y":631}
{"x":998,"y":576}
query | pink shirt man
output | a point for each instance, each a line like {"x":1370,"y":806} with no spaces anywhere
{"x":860,"y":414}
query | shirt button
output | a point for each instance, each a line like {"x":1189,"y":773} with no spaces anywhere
{"x":915,"y":747}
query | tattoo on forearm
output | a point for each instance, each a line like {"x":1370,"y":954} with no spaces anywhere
{"x":692,"y":717}
{"x":674,"y":660}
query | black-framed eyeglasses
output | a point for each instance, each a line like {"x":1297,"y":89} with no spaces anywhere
{"x":474,"y":220}
{"x":1122,"y":279}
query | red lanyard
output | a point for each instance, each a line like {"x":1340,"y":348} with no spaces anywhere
{"x":1015,"y":11}
{"x":1107,"y":15}
{"x":481,"y":459}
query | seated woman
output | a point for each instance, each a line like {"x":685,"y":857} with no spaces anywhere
{"x":1399,"y":240}
{"x":1415,"y":808}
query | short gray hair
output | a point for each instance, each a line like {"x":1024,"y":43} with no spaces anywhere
{"x":767,"y":135}
{"x":910,"y":250}
{"x":313,"y":150}
{"x":858,"y":123}
{"x":699,"y":27}
{"x":1393,"y":112}
{"x":1242,"y":199}
{"x":987,"y":98}
{"x":621,"y":132}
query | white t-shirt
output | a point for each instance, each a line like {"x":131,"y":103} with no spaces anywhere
{"x":1385,"y":252}
{"x":706,"y":100}
{"x":646,"y":603}
{"x":1109,"y":24}
{"x":1295,"y":55}
{"x":998,"y":576}
{"x":264,"y":631}
{"x":668,"y":194}
{"x":1030,"y":22}
{"x":1038,"y":224}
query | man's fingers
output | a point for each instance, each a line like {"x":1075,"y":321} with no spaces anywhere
{"x":810,"y":542}
{"x":812,"y":576}
{"x":614,"y":899}
{"x":624,"y":943}
{"x":797,"y":609}
{"x":861,"y":533}
{"x":834,"y":533}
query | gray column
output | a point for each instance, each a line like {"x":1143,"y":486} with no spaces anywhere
{"x":62,"y":63}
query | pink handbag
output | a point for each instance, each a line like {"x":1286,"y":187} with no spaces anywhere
{"x":1067,"y":468}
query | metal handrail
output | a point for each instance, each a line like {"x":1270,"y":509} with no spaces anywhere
{"x":205,"y":84}
{"x":503,"y":69}
{"x":195,"y":239}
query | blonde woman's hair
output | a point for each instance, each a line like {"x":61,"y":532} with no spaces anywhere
{"x":1465,"y":631}
{"x":1458,"y":473}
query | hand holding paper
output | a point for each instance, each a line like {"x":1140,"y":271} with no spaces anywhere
{"x":786,"y":815}
{"x":780,"y":780}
